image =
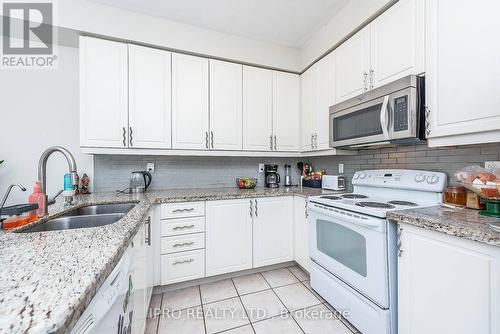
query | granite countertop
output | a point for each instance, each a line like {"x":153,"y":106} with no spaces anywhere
{"x":47,"y":279}
{"x":464,"y":223}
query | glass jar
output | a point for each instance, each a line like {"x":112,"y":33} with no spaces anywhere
{"x":455,"y":195}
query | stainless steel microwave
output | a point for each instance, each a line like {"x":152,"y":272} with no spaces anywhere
{"x":390,"y":114}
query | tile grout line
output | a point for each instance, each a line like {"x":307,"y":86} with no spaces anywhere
{"x":158,"y":321}
{"x":288,"y":311}
{"x":202,"y":309}
{"x":243,"y":305}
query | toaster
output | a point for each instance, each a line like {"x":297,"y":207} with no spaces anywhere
{"x":333,"y":182}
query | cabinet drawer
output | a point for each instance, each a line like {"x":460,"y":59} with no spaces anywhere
{"x":182,"y":243}
{"x":179,"y":210}
{"x":182,"y":226}
{"x":183,"y":266}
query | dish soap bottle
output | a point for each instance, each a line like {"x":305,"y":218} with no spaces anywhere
{"x":37,"y":197}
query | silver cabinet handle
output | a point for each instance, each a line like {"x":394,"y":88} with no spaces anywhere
{"x":372,"y":72}
{"x":212,"y":138}
{"x":183,"y":261}
{"x":183,"y":244}
{"x":130,"y":136}
{"x":183,"y":227}
{"x":183,"y":210}
{"x":275,"y":148}
{"x":305,"y":210}
{"x":206,"y":139}
{"x":256,"y":209}
{"x":251,"y":209}
{"x":148,"y":238}
{"x":315,"y":141}
{"x":271,"y":142}
{"x":312,"y":145}
{"x":124,"y":137}
{"x":365,"y":78}
{"x":399,"y":243}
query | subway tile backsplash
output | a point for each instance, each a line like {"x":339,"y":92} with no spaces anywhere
{"x":112,"y":172}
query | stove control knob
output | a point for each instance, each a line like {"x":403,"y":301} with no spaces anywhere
{"x":420,"y":178}
{"x":356,"y":176}
{"x":432,"y":179}
{"x":362,"y":175}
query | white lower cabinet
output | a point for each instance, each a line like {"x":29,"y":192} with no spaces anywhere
{"x":183,"y":266}
{"x":228,"y":236}
{"x":301,"y":232}
{"x":272,"y":230}
{"x":447,"y":284}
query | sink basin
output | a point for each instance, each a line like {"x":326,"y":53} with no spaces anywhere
{"x":88,"y":216}
{"x":101,"y":209}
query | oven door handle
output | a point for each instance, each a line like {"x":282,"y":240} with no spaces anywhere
{"x":384,"y":117}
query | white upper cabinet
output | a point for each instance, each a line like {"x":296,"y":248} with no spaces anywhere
{"x":103,"y":93}
{"x":257,"y":109}
{"x":190,"y":102}
{"x":226,"y":106}
{"x":286,"y":111}
{"x":149,"y":98}
{"x":228,"y":236}
{"x":352,"y":63}
{"x":398,"y":42}
{"x":318,"y":94}
{"x":325,"y":98}
{"x":463,"y":71}
{"x":273,"y":231}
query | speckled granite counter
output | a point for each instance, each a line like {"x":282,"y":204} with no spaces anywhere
{"x":464,"y":223}
{"x":47,"y":279}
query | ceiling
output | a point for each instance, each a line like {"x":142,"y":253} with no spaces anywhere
{"x":285,"y":22}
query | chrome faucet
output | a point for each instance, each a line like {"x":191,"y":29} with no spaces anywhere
{"x":20,"y":186}
{"x":42,"y":168}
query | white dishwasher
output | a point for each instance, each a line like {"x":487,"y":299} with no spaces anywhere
{"x":111,"y":309}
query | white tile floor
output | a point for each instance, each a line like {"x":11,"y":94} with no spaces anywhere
{"x":275,"y":301}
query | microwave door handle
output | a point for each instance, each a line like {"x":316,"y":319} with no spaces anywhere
{"x":384,"y":113}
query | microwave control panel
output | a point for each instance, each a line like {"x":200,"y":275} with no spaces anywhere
{"x":401,"y":113}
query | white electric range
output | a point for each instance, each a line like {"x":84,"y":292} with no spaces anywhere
{"x":353,"y":247}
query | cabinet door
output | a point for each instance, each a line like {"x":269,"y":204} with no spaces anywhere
{"x":257,"y":108}
{"x":286,"y":111}
{"x":273,"y":231}
{"x":149,"y":98}
{"x":462,"y":80}
{"x":325,"y":97}
{"x":228,"y":233}
{"x":301,"y":235}
{"x":103,"y":93}
{"x":226,"y":105}
{"x":352,"y":62}
{"x":398,"y":42}
{"x":307,"y":108}
{"x":139,"y":282}
{"x":450,"y":282}
{"x":189,"y":102}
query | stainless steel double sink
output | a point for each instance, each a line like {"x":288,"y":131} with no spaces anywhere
{"x":88,"y":216}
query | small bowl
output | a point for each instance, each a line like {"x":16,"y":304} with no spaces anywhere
{"x":246,"y":183}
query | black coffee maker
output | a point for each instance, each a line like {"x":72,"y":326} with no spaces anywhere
{"x":272,"y":177}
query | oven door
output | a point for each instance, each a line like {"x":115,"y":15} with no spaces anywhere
{"x":353,"y":247}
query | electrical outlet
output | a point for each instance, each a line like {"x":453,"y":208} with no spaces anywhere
{"x":341,"y":168}
{"x":150,"y":167}
{"x":492,"y":164}
{"x":261,"y":168}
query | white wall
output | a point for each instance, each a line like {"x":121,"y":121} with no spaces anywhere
{"x":351,"y":16}
{"x":101,"y":19}
{"x":39,"y":109}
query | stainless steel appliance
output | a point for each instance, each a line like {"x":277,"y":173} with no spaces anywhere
{"x":272,"y":177}
{"x":354,"y":249}
{"x":333,"y":182}
{"x":390,"y":114}
{"x":140,"y":181}
{"x":288,"y":177}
